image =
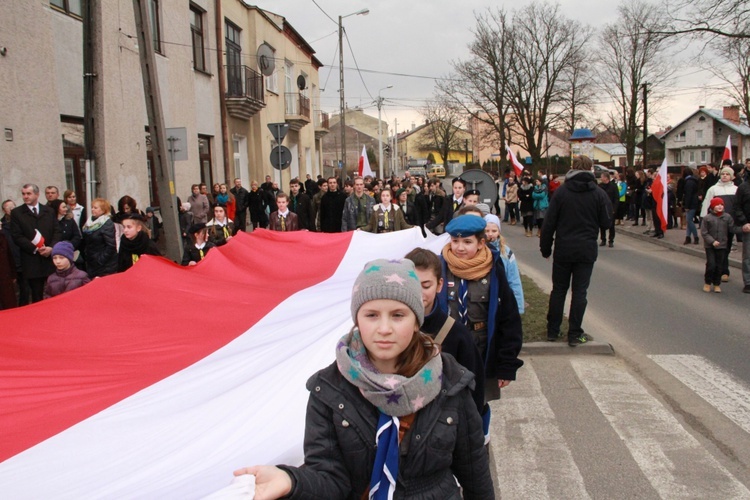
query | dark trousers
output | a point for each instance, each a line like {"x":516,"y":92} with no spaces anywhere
{"x":528,"y":222}
{"x":565,"y":275}
{"x":603,"y":232}
{"x":511,"y":210}
{"x":23,"y":290}
{"x":724,"y":262}
{"x":657,"y":221}
{"x":240,"y":221}
{"x":37,"y":288}
{"x":714,"y":259}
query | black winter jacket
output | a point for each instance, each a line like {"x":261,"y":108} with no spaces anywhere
{"x":576,"y":214}
{"x":100,"y":250}
{"x":690,"y":199}
{"x":445,"y":439}
{"x":741,"y":207}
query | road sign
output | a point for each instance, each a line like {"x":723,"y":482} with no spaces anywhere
{"x":281,"y":157}
{"x":278,"y":130}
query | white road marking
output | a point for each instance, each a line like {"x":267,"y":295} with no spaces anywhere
{"x":713,"y":384}
{"x":674,"y":462}
{"x":533,"y":459}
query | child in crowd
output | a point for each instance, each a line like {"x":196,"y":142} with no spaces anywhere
{"x":496,"y":241}
{"x":541,"y":203}
{"x":67,"y":276}
{"x":283,"y":219}
{"x":197,"y":250}
{"x":220,"y":228}
{"x":479,"y":296}
{"x":715,"y":230}
{"x":134,"y":242}
{"x":386,"y":216}
{"x":452,"y":337}
{"x":525,"y":197}
{"x":376,"y":424}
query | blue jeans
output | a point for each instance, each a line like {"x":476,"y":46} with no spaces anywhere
{"x":691,"y":229}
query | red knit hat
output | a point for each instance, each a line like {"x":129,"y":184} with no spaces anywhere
{"x":716,"y":201}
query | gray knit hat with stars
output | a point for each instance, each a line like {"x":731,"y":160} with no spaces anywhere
{"x":388,"y":279}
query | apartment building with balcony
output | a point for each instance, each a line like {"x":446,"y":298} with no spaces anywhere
{"x":282,"y":88}
{"x":42,"y":107}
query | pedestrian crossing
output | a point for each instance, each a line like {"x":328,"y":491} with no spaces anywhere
{"x":627,"y":438}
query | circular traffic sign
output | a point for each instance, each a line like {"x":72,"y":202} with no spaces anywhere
{"x":281,"y":157}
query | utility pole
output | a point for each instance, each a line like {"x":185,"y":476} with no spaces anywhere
{"x":397,"y":163}
{"x":89,"y":22}
{"x":342,"y":102}
{"x":164,"y":181}
{"x":645,"y":125}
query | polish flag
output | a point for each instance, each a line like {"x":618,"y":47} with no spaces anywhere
{"x":517,"y":167}
{"x":364,"y":164}
{"x":659,"y":192}
{"x":160,"y":381}
{"x":728,"y":150}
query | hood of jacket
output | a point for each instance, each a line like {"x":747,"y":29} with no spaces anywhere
{"x":580,"y":181}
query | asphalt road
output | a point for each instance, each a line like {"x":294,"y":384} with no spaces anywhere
{"x":651,"y":298}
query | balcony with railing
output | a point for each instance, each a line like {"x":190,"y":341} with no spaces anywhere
{"x":321,"y":123}
{"x":244,"y":95}
{"x":296,"y":110}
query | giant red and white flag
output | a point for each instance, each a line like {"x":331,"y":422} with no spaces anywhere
{"x":517,"y":167}
{"x":160,"y":381}
{"x":364,"y":164}
{"x":659,"y":192}
{"x":728,"y":150}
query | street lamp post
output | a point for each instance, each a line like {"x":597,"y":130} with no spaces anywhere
{"x":342,"y":102}
{"x":380,"y":131}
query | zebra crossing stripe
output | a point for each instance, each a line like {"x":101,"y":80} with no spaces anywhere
{"x":535,"y":461}
{"x":711,"y":383}
{"x":674,"y":462}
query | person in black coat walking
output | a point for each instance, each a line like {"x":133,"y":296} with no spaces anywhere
{"x":332,"y":208}
{"x":100,"y":241}
{"x":610,"y":189}
{"x":240,"y":200}
{"x":300,"y":204}
{"x":577,"y":213}
{"x":691,"y":205}
{"x":35,"y":230}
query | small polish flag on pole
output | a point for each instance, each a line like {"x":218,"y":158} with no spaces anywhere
{"x":364,"y":164}
{"x":728,"y":150}
{"x":517,"y":167}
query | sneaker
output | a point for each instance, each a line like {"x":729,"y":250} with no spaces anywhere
{"x":581,"y":339}
{"x":706,"y":288}
{"x":551,"y":337}
{"x":717,"y":289}
{"x":724,"y":278}
{"x":746,"y":289}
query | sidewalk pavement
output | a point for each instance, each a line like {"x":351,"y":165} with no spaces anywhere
{"x":673,"y":239}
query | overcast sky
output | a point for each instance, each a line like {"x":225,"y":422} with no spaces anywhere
{"x":409,"y":43}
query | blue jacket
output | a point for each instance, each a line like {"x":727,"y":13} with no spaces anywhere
{"x":504,"y":328}
{"x":511,"y":271}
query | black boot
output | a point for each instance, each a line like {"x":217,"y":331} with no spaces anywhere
{"x":687,"y":240}
{"x":696,"y":240}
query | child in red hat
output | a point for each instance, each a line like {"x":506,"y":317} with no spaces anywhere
{"x":715,"y":232}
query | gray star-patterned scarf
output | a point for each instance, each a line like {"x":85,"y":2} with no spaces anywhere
{"x":394,"y":395}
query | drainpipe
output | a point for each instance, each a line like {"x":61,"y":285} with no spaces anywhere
{"x":222,"y":94}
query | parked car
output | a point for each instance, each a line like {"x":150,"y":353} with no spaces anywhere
{"x":436,"y":171}
{"x":417,"y":171}
{"x":599,"y":169}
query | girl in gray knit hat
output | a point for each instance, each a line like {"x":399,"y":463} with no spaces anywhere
{"x":391,"y":417}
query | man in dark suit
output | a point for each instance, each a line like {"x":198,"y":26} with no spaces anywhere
{"x":300,"y":204}
{"x":332,"y":207}
{"x":34,"y":229}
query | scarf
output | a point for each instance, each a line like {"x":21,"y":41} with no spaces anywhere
{"x":95,"y":223}
{"x":394,"y":396}
{"x":469,"y":269}
{"x":137,"y":246}
{"x":222,"y":198}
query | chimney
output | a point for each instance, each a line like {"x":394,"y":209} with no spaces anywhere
{"x":732,"y":113}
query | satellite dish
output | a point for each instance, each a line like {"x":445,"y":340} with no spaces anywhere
{"x":301,"y":82}
{"x":266,"y":61}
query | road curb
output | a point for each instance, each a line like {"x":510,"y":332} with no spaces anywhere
{"x":562,"y":347}
{"x":694,"y":250}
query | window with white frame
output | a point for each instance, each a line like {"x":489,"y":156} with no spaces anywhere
{"x":698,"y":134}
{"x":692,"y":156}
{"x":272,"y":81}
{"x":677,"y":156}
{"x":704,"y":156}
{"x":681,"y":137}
{"x":153,"y":15}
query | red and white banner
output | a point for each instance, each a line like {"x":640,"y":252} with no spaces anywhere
{"x":517,"y":167}
{"x":364,"y":164}
{"x":728,"y":150}
{"x":659,"y":192}
{"x":159,"y":382}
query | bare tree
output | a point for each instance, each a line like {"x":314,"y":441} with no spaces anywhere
{"x":711,"y":18}
{"x":444,"y":121}
{"x":732,"y":66}
{"x":479,"y":85}
{"x":547,"y":46}
{"x":632,"y":55}
{"x":580,"y":91}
